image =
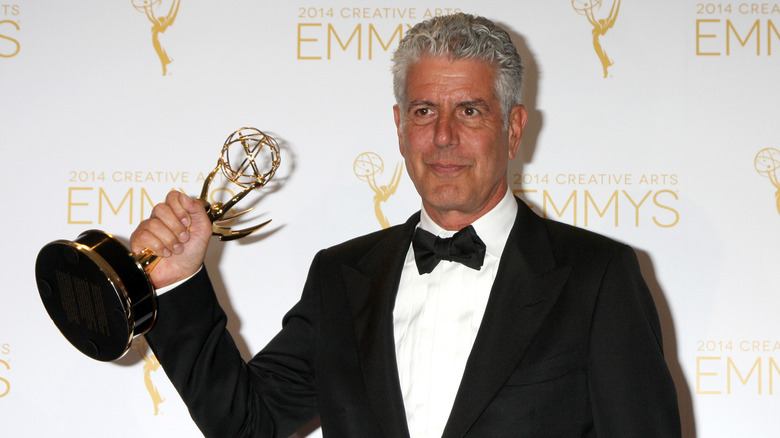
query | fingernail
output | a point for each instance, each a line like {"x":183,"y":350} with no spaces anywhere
{"x":184,"y":236}
{"x":166,"y":252}
{"x":185,"y":221}
{"x":178,"y":248}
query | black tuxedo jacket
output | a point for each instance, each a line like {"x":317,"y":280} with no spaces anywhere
{"x":569,"y":346}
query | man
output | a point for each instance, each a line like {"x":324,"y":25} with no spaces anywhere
{"x":544,"y":330}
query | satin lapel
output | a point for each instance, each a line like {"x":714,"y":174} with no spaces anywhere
{"x":526,"y":288}
{"x":372,"y":286}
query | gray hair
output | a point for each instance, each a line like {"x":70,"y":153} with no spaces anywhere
{"x":462,"y":36}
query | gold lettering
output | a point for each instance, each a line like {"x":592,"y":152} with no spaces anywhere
{"x":730,"y":364}
{"x":772,"y":366}
{"x":372,"y":31}
{"x":102,"y":195}
{"x":306,"y":40}
{"x":72,"y":204}
{"x":700,"y":373}
{"x":770,"y":30}
{"x":145,"y":197}
{"x":666,"y":207}
{"x":13,"y":41}
{"x":614,"y":197}
{"x":572,"y":197}
{"x":699,"y":36}
{"x":730,"y":28}
{"x":358,"y":31}
{"x":636,"y":206}
{"x":5,"y":381}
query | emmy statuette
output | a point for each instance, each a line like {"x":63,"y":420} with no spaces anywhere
{"x":98,"y":293}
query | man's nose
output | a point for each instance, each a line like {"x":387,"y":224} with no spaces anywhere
{"x":445,"y":133}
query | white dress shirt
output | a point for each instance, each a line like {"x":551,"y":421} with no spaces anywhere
{"x":436,"y":319}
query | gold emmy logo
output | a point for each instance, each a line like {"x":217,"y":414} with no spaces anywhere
{"x":159,"y":24}
{"x":150,"y":365}
{"x":589,"y":8}
{"x":767,"y":164}
{"x":367,"y":166}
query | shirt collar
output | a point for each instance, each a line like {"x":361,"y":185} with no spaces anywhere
{"x":493,"y":227}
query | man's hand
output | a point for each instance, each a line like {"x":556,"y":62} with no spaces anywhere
{"x":178,"y":231}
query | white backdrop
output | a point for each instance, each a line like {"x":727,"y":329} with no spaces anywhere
{"x":674,"y":152}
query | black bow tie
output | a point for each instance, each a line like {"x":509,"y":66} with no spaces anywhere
{"x":464,"y":247}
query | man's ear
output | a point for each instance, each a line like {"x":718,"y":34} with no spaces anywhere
{"x":517,"y":118}
{"x":397,"y":117}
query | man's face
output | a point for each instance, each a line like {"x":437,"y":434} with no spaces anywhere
{"x":451,"y":136}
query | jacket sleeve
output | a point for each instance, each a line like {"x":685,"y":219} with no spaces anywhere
{"x":271,"y":396}
{"x":631,"y":390}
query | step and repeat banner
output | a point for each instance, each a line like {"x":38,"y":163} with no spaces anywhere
{"x":653,"y":122}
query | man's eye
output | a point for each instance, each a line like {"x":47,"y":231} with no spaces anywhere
{"x":470,"y":112}
{"x":422,"y":111}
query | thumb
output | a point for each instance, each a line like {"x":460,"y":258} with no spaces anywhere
{"x":196,"y":220}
